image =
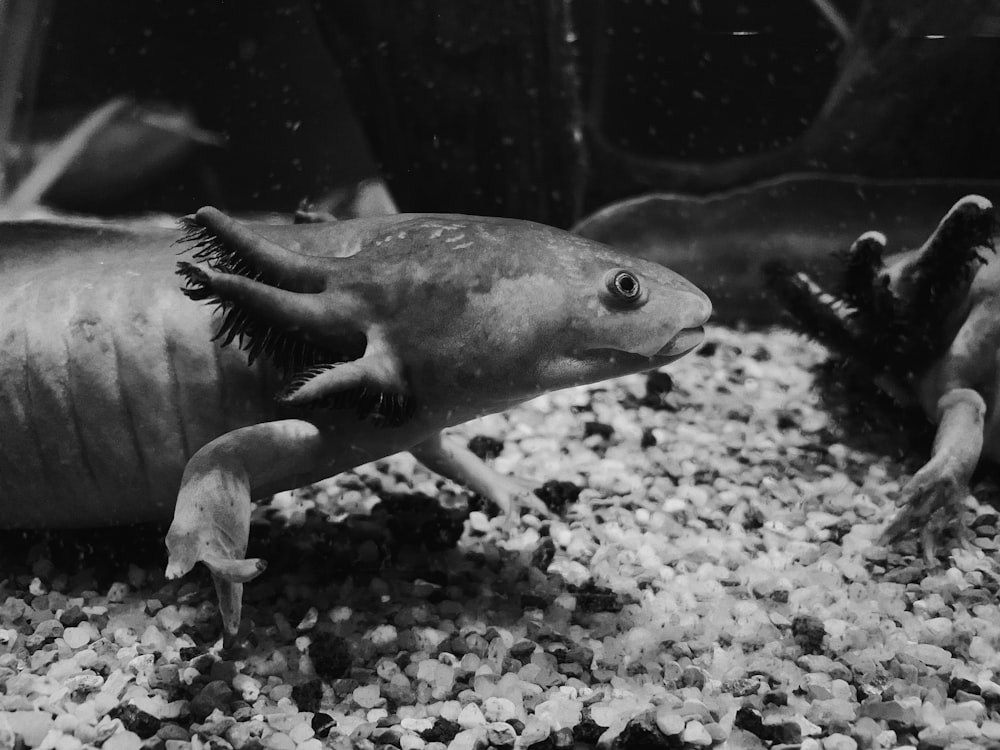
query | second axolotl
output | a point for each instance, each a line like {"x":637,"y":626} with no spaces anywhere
{"x":925,"y":325}
{"x":388,"y":330}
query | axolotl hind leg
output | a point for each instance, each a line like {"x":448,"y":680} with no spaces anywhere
{"x":212,"y":516}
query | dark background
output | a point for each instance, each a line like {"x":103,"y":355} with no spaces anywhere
{"x":471,"y":107}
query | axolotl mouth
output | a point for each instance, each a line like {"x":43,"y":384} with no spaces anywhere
{"x":681,"y":344}
{"x":685,"y":341}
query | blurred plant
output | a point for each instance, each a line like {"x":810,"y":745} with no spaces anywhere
{"x":22,"y":29}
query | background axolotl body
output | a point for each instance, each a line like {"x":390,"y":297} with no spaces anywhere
{"x":926,"y":325}
{"x":114,"y":394}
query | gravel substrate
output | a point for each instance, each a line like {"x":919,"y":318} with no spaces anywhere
{"x":713,"y":576}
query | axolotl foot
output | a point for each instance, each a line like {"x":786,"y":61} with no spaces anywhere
{"x":931,"y":505}
{"x":932,"y":501}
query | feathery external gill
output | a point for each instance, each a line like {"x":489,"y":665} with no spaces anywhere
{"x":290,"y":353}
{"x":297,"y":358}
{"x":814,"y":312}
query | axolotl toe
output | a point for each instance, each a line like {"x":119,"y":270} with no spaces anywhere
{"x":390,"y":330}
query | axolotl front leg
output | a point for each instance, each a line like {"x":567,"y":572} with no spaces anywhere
{"x":953,"y":277}
{"x":212,"y":516}
{"x":931,"y":500}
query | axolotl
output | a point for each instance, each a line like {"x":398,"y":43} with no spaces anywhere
{"x":925,"y":325}
{"x":364,"y":338}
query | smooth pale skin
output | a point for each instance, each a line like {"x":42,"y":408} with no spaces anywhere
{"x":959,"y":393}
{"x":114,"y":395}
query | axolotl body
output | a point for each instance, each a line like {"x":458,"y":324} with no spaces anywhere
{"x":925,"y":324}
{"x":366,"y":337}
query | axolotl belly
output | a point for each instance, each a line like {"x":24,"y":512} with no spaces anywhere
{"x":122,"y":403}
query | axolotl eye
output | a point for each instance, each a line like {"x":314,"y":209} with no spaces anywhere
{"x":623,"y":286}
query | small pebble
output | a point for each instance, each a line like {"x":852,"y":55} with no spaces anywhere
{"x":123,"y":741}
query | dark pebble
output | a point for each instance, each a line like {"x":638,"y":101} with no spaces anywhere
{"x":485,"y":447}
{"x":648,"y":438}
{"x":203,"y":663}
{"x":908,"y":574}
{"x":72,"y":616}
{"x":343,"y":686}
{"x":331,"y":656}
{"x":587,"y":731}
{"x":787,"y":420}
{"x":809,"y":633}
{"x":786,"y":733}
{"x":544,"y":554}
{"x":534,"y":601}
{"x":658,"y":387}
{"x":600,"y":429}
{"x":753,"y":519}
{"x":214,"y":695}
{"x":839,"y":530}
{"x":387,"y":738}
{"x":642,"y":733}
{"x":223,"y":670}
{"x":545,"y":743}
{"x":442,"y":731}
{"x":558,"y":494}
{"x":590,"y":597}
{"x":956,"y":684}
{"x":522,"y":650}
{"x":750,"y":720}
{"x":582,"y":655}
{"x":659,"y":383}
{"x":308,"y":695}
{"x":563,"y":737}
{"x":322,"y":723}
{"x":136,"y":720}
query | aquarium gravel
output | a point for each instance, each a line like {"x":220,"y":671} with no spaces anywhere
{"x":713,"y":576}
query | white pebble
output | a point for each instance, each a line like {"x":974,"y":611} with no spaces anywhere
{"x":247,"y":687}
{"x":696,"y":734}
{"x":499,"y":709}
{"x":301,"y":732}
{"x":839,"y":741}
{"x":471,"y":716}
{"x":411,"y":742}
{"x":78,"y":636}
{"x":367,"y":696}
{"x":123,"y":741}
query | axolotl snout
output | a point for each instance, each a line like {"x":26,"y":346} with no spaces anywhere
{"x":387,"y":331}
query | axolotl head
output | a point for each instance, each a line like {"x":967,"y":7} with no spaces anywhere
{"x":428,"y":309}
